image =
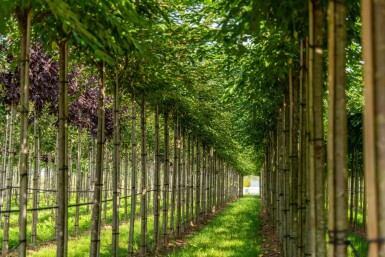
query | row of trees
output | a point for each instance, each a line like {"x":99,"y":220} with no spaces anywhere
{"x":87,"y":65}
{"x":305,"y":185}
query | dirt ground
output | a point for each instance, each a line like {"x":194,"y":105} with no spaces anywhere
{"x":270,"y":246}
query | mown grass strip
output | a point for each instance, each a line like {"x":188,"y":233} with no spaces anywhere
{"x":234,"y":232}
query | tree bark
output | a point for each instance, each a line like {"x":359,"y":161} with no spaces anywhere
{"x":156,"y":181}
{"x":24,"y":22}
{"x":293,"y":155}
{"x":62,"y":178}
{"x":337,"y":130}
{"x":179,"y":180}
{"x":3,"y":164}
{"x":98,"y":186}
{"x":8,"y":177}
{"x":198,"y":185}
{"x":133,"y":180}
{"x":143,"y":202}
{"x":166,"y":179}
{"x":36,"y":177}
{"x":373,"y":20}
{"x":116,"y":171}
{"x":78,"y":182}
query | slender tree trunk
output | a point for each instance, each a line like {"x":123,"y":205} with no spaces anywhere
{"x":184,"y":179}
{"x":116,"y":172}
{"x":126,"y":174}
{"x":156,"y":181}
{"x":293,"y":155}
{"x":106,"y":170}
{"x":166,"y":179}
{"x":316,"y":143}
{"x":62,"y":181}
{"x":78,"y":182}
{"x":198,"y":185}
{"x":373,"y":20}
{"x":351,"y":194}
{"x":36,"y":178}
{"x":188,"y":177}
{"x":174,"y":178}
{"x":24,"y":22}
{"x":192,"y":184}
{"x":356,"y":192}
{"x":203,"y":209}
{"x":143,"y":202}
{"x":98,"y":186}
{"x":337,"y":131}
{"x":3,"y":171}
{"x":301,"y":233}
{"x":133,"y":180}
{"x":179,"y":181}
{"x":286,"y":174}
{"x":364,"y":207}
{"x":9,"y":174}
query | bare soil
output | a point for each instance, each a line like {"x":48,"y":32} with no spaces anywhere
{"x":270,"y":245}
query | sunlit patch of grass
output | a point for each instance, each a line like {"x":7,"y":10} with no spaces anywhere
{"x":80,"y":246}
{"x":46,"y":231}
{"x":234,"y":232}
{"x":359,"y":244}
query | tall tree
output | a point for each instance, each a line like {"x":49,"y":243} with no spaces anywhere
{"x":23,"y":15}
{"x":116,"y":171}
{"x":98,"y":186}
{"x":373,"y":40}
{"x":337,"y":130}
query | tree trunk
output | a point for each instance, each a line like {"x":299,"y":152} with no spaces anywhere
{"x":3,"y":171}
{"x":126,"y":174}
{"x":105,"y":183}
{"x":203,"y":210}
{"x":293,"y":155}
{"x":78,"y":182}
{"x":356,"y":191}
{"x":184,"y":179}
{"x":174,"y":178}
{"x":98,"y":186}
{"x":179,"y":180}
{"x":9,"y":175}
{"x":143,"y":202}
{"x":192,"y":184}
{"x":373,"y":20}
{"x":133,"y":180}
{"x":198,"y":185}
{"x":188,"y":177}
{"x":156,"y":181}
{"x":337,"y":131}
{"x":116,"y":172}
{"x":351,"y":193}
{"x":166,"y":179}
{"x":36,"y":177}
{"x":62,"y":178}
{"x":316,"y":143}
{"x":301,"y":232}
{"x":24,"y":22}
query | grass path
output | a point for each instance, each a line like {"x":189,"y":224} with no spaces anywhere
{"x":233,"y":233}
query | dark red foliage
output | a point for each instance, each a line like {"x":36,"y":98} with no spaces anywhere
{"x":83,"y":113}
{"x":44,"y":80}
{"x":43,"y":91}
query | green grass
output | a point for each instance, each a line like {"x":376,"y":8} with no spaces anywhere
{"x":46,"y":225}
{"x":234,"y":232}
{"x":80,"y":246}
{"x":360,"y":245}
